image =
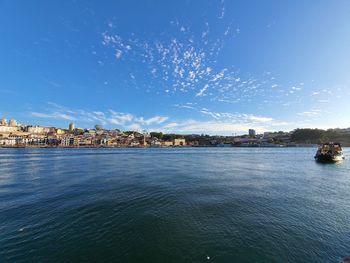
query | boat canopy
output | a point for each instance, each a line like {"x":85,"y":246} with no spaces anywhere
{"x":331,"y":146}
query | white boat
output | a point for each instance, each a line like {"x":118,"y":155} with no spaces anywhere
{"x":329,"y":152}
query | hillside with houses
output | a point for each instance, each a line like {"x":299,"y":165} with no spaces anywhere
{"x":13,"y":134}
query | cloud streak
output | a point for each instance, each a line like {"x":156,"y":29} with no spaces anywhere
{"x":53,"y":115}
{"x":110,"y":118}
{"x":214,"y":123}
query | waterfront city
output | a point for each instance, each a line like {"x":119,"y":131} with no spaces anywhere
{"x":151,"y":131}
{"x":13,"y":134}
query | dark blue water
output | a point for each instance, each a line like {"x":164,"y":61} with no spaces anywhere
{"x":173,"y":205}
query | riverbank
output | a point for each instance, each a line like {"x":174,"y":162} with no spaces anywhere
{"x":185,"y":146}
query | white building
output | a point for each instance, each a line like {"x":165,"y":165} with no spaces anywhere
{"x":38,"y":130}
{"x":66,"y":141}
{"x":9,"y":129}
{"x":179,"y":142}
{"x":13,"y":123}
{"x":3,"y":122}
{"x":7,"y":141}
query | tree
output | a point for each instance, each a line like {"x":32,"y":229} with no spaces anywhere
{"x":307,"y":135}
{"x":158,"y":135}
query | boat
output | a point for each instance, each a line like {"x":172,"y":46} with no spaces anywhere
{"x":329,"y":152}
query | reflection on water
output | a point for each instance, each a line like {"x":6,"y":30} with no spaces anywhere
{"x":173,"y":205}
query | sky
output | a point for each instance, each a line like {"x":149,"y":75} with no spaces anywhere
{"x":210,"y":66}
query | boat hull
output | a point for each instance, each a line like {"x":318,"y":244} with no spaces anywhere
{"x":328,"y":158}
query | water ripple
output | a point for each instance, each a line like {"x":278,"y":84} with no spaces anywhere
{"x":173,"y":205}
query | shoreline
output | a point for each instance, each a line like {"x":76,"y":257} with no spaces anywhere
{"x":163,"y":147}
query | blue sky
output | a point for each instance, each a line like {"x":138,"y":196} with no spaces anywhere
{"x":217,"y":67}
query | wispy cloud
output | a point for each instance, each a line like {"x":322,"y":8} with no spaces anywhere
{"x":52,"y":83}
{"x":235,"y":117}
{"x":151,"y":121}
{"x":311,"y":113}
{"x":215,"y":122}
{"x":210,"y":127}
{"x":176,"y":63}
{"x":53,"y":115}
{"x":222,"y":13}
{"x":111,"y":117}
{"x":202,"y":91}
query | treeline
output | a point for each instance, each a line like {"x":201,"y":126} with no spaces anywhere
{"x":166,"y":137}
{"x":317,"y":136}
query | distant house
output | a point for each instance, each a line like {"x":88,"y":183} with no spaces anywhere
{"x":65,"y":141}
{"x":7,"y":141}
{"x":134,"y":144}
{"x":179,"y":142}
{"x":155,"y":142}
{"x":37,"y":130}
{"x":167,"y":143}
{"x":86,"y":142}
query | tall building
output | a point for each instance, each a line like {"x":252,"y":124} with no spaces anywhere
{"x":13,"y":123}
{"x":9,"y":127}
{"x":71,"y":126}
{"x":3,"y":122}
{"x":252,"y":133}
{"x":98,"y":127}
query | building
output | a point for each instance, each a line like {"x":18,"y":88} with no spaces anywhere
{"x":154,"y":142}
{"x":252,"y":133}
{"x":37,"y":130}
{"x":98,"y":127}
{"x":59,"y":131}
{"x":13,"y":123}
{"x":7,"y":129}
{"x":7,"y":141}
{"x":3,"y":122}
{"x":67,"y":141}
{"x":71,"y":127}
{"x":167,"y":143}
{"x":179,"y":142}
{"x":89,"y":133}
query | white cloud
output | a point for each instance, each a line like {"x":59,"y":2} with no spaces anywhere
{"x":176,"y":64}
{"x":151,"y":121}
{"x":202,"y":91}
{"x":170,"y":125}
{"x":311,"y":113}
{"x":188,"y":62}
{"x":118,"y":54}
{"x":218,"y":123}
{"x":233,"y":117}
{"x":54,"y":115}
{"x":222,"y":14}
{"x":211,"y":127}
{"x":134,"y":127}
{"x":110,"y":117}
{"x":184,"y":106}
{"x":259,"y":119}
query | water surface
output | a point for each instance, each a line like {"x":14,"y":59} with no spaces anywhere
{"x":173,"y":205}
